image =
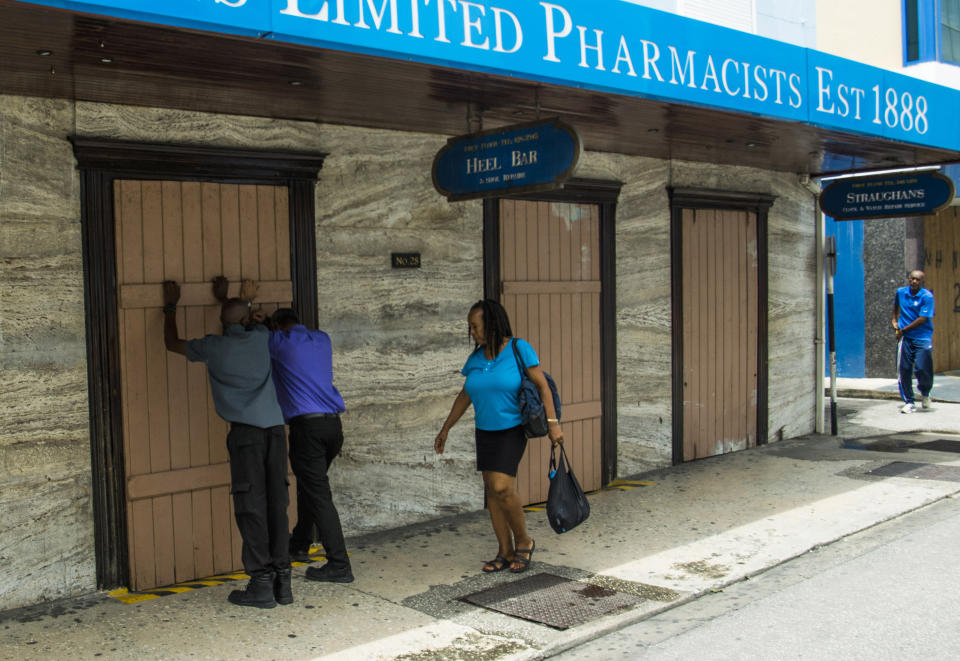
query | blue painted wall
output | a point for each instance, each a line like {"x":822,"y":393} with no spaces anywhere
{"x":848,"y":298}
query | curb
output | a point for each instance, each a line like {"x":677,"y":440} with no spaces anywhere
{"x":853,"y":393}
{"x":613,"y":627}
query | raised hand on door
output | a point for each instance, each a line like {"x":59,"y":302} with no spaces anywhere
{"x":248,"y":290}
{"x":220,"y":286}
{"x":171,"y":292}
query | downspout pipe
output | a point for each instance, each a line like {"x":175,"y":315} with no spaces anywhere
{"x":821,"y":298}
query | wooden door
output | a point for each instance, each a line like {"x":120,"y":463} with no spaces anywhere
{"x":720,"y":331}
{"x":941,"y":241}
{"x":550,"y":278}
{"x":179,"y":509}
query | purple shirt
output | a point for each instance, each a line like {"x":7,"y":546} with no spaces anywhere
{"x":303,"y":372}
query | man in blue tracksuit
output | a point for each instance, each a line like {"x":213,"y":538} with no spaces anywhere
{"x":913,"y":323}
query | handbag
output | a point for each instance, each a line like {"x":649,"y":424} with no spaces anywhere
{"x":532,"y":411}
{"x":567,"y":505}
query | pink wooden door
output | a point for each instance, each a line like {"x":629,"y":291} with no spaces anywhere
{"x":720,"y":331}
{"x":179,"y":510}
{"x":550,"y":275}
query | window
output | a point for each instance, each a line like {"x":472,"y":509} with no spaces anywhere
{"x":950,"y":30}
{"x":736,"y":14}
{"x":931,"y":31}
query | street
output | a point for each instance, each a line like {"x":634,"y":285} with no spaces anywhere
{"x":890,"y":592}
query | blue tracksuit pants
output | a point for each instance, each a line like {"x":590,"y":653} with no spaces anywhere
{"x":915,"y":355}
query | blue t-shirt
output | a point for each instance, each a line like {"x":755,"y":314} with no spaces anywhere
{"x":303,"y":372}
{"x":238,"y":364}
{"x":913,"y":306}
{"x":493,"y":384}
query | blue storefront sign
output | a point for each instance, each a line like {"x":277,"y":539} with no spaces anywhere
{"x":888,"y":196}
{"x":606,"y":45}
{"x":515,"y":159}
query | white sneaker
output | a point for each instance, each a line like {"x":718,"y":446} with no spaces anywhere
{"x":908,"y":408}
{"x":925,"y":402}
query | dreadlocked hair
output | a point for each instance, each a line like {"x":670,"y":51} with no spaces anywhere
{"x":496,"y":323}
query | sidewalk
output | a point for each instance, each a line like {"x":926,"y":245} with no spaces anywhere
{"x":946,"y":388}
{"x":690,"y":529}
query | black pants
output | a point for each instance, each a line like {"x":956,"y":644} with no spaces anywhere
{"x":314,"y":443}
{"x":258,"y":475}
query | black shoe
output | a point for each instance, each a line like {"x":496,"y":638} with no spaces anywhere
{"x":326,"y":573}
{"x":300,"y":554}
{"x":258,"y":593}
{"x":281,"y":587}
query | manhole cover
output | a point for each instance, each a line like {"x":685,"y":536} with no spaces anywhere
{"x":552,"y":600}
{"x":940,"y":445}
{"x":918,"y":471}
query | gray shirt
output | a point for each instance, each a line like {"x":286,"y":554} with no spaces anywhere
{"x":238,"y":364}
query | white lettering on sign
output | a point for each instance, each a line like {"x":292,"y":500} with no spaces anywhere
{"x":293,"y":9}
{"x":887,"y":196}
{"x":619,"y":55}
{"x":521,"y":158}
{"x":476,"y":165}
{"x":378,"y":16}
{"x":890,"y":107}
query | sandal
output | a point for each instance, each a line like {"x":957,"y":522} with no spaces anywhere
{"x":524,"y":562}
{"x":497,"y":564}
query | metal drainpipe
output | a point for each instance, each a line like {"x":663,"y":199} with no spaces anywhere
{"x":818,"y":341}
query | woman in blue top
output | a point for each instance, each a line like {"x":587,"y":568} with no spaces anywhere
{"x":493,"y":379}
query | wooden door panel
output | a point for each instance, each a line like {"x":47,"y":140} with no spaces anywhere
{"x":720,"y":331}
{"x":550,"y":275}
{"x":180,"y":512}
{"x":941,"y":238}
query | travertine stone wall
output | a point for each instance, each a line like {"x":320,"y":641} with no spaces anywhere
{"x":645,"y":407}
{"x":400,"y":336}
{"x":46,"y":532}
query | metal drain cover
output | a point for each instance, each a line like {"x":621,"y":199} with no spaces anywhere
{"x":918,"y":471}
{"x":552,"y":600}
{"x":940,"y":445}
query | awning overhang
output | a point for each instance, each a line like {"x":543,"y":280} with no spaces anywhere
{"x":56,"y":53}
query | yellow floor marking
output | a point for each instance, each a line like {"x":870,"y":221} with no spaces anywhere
{"x":635,"y":483}
{"x":124,"y":595}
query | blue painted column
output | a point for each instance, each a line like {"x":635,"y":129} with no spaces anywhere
{"x":849,"y":303}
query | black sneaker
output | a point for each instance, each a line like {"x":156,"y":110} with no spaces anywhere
{"x":330,"y":575}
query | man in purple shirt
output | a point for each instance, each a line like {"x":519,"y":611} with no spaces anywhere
{"x":302,"y":362}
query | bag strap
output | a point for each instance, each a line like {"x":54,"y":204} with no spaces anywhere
{"x":516,"y":354}
{"x":562,"y":464}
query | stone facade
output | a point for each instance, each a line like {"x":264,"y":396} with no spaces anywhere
{"x":886,"y":255}
{"x":399,"y":336}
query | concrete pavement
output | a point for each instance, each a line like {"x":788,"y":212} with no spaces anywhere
{"x":695,"y":528}
{"x":946,"y":388}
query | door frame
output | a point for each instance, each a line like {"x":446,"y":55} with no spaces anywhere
{"x":100,"y":163}
{"x":584,"y":191}
{"x":702,"y":198}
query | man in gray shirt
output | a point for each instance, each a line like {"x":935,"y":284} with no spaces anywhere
{"x":238,"y":365}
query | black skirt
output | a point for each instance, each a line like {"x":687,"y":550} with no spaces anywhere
{"x":500,"y":450}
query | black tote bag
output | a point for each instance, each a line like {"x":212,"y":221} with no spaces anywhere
{"x":567,"y":505}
